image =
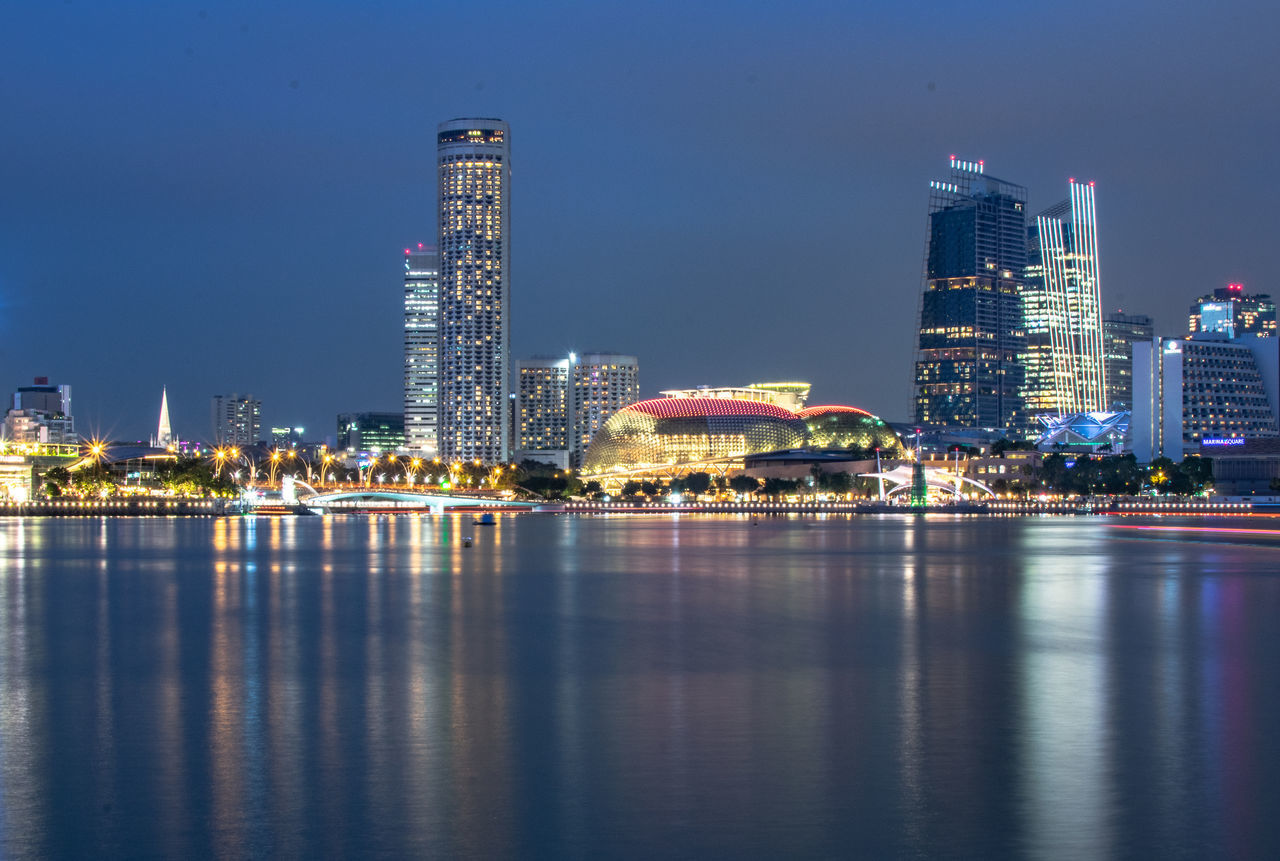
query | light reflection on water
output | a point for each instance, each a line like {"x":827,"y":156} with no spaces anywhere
{"x":635,"y":686}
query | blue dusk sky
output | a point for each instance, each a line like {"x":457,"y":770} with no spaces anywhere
{"x":216,"y":196}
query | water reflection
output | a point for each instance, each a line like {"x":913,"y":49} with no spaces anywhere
{"x":880,"y":686}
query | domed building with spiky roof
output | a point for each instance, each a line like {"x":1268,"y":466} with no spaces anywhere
{"x":675,"y":435}
{"x":836,"y":426}
{"x":667,"y":437}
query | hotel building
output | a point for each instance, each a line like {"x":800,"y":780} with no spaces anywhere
{"x":474,"y":205}
{"x":1186,"y":390}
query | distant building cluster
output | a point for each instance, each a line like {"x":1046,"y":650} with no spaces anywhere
{"x":41,"y":414}
{"x":1013,"y":344}
{"x":1013,"y":341}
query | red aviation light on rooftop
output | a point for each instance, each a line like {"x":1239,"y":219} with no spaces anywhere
{"x":824,"y":409}
{"x":684,"y":408}
{"x":406,"y":251}
{"x":1092,"y":183}
{"x":1071,"y":179}
{"x":1236,"y":288}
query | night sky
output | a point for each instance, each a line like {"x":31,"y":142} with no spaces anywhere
{"x":216,"y":197}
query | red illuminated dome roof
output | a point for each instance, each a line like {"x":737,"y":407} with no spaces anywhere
{"x":686,"y":408}
{"x":830,"y":408}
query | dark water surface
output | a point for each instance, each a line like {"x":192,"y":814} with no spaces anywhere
{"x":586,"y":687}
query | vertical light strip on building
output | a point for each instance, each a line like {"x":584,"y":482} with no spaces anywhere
{"x":1070,"y":287}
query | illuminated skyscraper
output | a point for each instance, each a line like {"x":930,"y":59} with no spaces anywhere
{"x":968,"y":372}
{"x":1062,"y":308}
{"x":1120,"y":332}
{"x":600,"y":385}
{"x":474,"y":174}
{"x":564,"y":402}
{"x":542,"y":413}
{"x":1232,"y":313}
{"x":421,"y":349}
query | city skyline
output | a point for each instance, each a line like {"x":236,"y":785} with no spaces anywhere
{"x":226,"y":145}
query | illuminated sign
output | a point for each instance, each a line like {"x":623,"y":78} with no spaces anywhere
{"x":1235,"y":440}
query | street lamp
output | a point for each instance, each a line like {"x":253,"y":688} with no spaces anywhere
{"x":219,"y":458}
{"x":325,"y":461}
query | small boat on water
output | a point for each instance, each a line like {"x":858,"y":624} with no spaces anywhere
{"x":486,"y":519}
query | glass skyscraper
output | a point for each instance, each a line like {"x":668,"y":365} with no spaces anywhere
{"x":421,"y":349}
{"x":474,"y":203}
{"x":1121,"y":331}
{"x":968,"y":372}
{"x":1064,"y":361}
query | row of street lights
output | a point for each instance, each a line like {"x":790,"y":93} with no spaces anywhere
{"x":278,"y":460}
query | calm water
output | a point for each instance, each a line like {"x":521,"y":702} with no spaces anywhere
{"x":588,"y":687}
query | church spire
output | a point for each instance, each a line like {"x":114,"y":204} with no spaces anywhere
{"x":164,"y":435}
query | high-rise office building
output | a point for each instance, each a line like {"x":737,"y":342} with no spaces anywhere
{"x":542,"y":409}
{"x":236,"y":420}
{"x":1064,"y":361}
{"x":600,"y":384}
{"x":474,"y":174}
{"x":968,"y":372}
{"x":376,"y":433}
{"x":1230,"y":312}
{"x":421,"y":349}
{"x":1119,"y":333}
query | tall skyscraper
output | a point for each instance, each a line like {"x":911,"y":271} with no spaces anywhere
{"x":1120,"y":332}
{"x":968,"y":372}
{"x":542,"y":410}
{"x":600,"y":384}
{"x":1229,"y":311}
{"x":1064,"y":359}
{"x":421,"y":350}
{"x":474,"y":174}
{"x":236,"y":420}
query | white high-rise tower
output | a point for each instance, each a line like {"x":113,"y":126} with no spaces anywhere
{"x":474,"y":174}
{"x":421,"y":349}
